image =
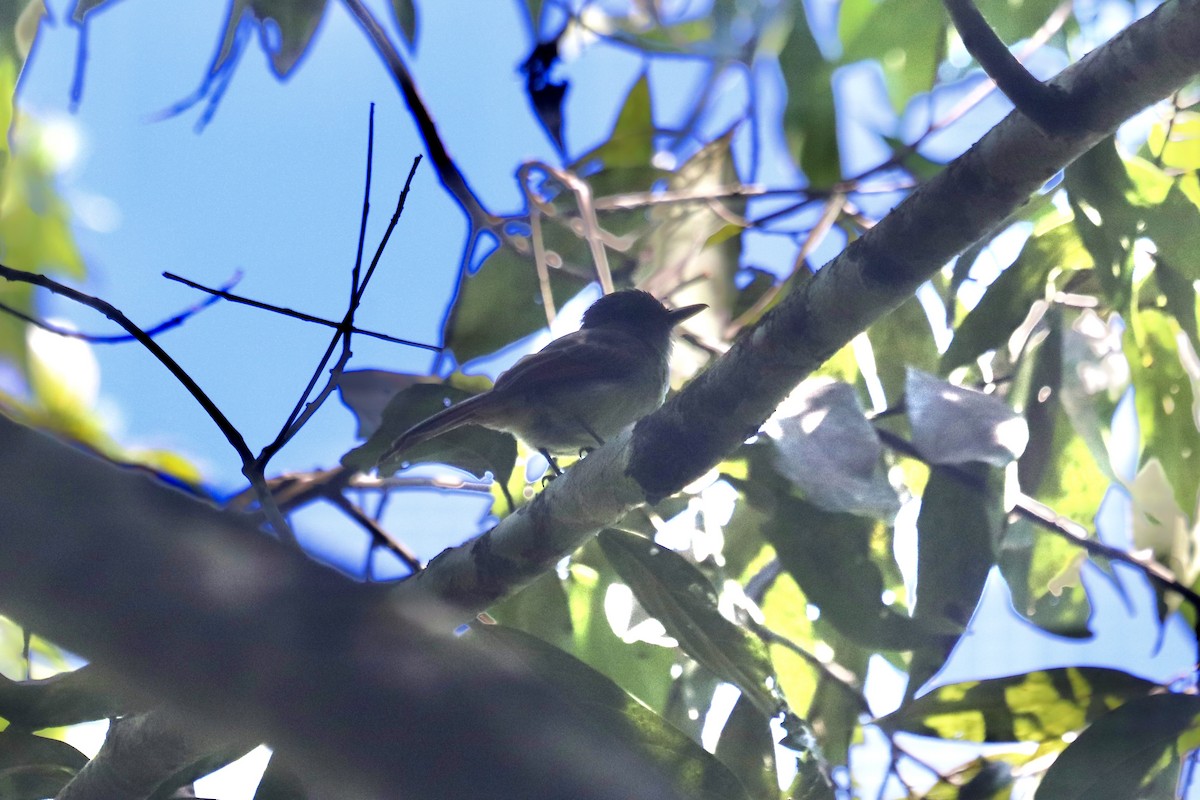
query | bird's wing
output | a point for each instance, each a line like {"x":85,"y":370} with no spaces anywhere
{"x":589,"y":356}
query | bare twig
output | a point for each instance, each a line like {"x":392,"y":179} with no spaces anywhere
{"x":840,"y":676}
{"x":1050,"y":107}
{"x":378,"y":533}
{"x":592,"y":232}
{"x":305,"y":408}
{"x":539,"y":260}
{"x":634,"y":200}
{"x":113,"y":313}
{"x":447,"y":171}
{"x":93,"y":338}
{"x":288,"y":312}
{"x":1041,"y":36}
{"x":829,"y":215}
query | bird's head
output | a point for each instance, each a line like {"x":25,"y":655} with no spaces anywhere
{"x":633,"y":308}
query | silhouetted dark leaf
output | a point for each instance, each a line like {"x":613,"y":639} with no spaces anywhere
{"x":35,"y":767}
{"x":1115,"y":756}
{"x":407,"y":19}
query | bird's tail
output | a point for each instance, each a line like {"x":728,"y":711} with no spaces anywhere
{"x":462,"y":413}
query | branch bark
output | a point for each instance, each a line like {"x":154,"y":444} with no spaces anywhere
{"x":254,"y":642}
{"x":726,"y":405}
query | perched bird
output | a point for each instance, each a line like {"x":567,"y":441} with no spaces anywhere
{"x":580,"y":389}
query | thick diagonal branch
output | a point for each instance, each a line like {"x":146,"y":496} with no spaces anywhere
{"x":255,"y":642}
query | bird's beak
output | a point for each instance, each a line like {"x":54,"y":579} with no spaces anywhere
{"x":678,"y":315}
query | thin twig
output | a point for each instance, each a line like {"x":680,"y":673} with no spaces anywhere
{"x":841,"y":677}
{"x":539,"y":261}
{"x":587,"y":216}
{"x":113,"y":313}
{"x":829,"y":215}
{"x":376,"y":530}
{"x":299,"y":418}
{"x":631,"y":201}
{"x":922,"y":763}
{"x":300,"y":315}
{"x":356,"y":272}
{"x":123,"y":338}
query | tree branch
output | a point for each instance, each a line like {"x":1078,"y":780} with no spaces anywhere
{"x":1051,"y":108}
{"x":254,"y":642}
{"x":448,"y":172}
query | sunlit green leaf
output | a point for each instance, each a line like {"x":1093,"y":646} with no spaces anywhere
{"x":35,"y":223}
{"x":679,"y":247}
{"x":631,"y":143}
{"x":830,"y":557}
{"x":905,"y":36}
{"x":1042,"y":572}
{"x":838,"y":704}
{"x":1165,"y":402}
{"x":809,"y":118}
{"x":1176,"y":143}
{"x":1013,"y":20}
{"x":1174,"y":225}
{"x":1007,"y":300}
{"x":20,"y":21}
{"x":1180,"y":297}
{"x":640,"y":668}
{"x":900,"y":340}
{"x":1038,"y":706}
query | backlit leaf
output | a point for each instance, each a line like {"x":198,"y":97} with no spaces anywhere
{"x":682,"y":599}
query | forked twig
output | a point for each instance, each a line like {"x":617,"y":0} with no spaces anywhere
{"x":231,"y":433}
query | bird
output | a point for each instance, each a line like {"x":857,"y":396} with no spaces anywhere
{"x":581,"y":389}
